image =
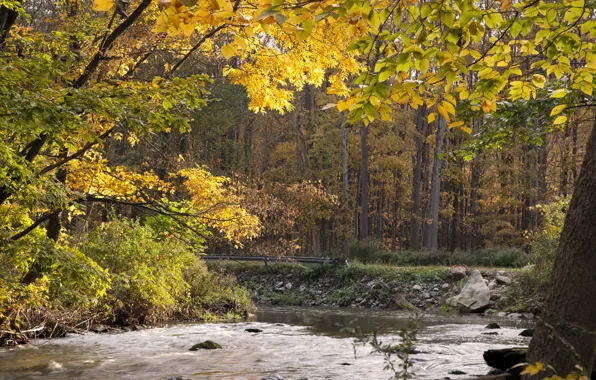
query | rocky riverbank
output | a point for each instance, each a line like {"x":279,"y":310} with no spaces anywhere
{"x":369,"y":286}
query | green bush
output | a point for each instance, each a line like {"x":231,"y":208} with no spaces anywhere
{"x":372,"y":252}
{"x":155,"y":279}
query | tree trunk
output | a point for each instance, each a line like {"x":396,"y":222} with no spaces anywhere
{"x":7,"y":19}
{"x":364,"y":184}
{"x":421,"y":128}
{"x":380,"y":212}
{"x":395,"y":211}
{"x":567,"y":335}
{"x":344,"y":160}
{"x":345,"y":178}
{"x":432,"y":233}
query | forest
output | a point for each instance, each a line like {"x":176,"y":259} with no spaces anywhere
{"x":138,"y":135}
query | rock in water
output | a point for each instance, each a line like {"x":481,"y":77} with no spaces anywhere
{"x":506,"y":358}
{"x":98,"y":328}
{"x":253,"y":330}
{"x":276,"y":377}
{"x":206,"y":345}
{"x":493,"y":325}
{"x":527,"y":332}
{"x":474,"y":297}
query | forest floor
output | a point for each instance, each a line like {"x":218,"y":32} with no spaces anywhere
{"x":375,"y":286}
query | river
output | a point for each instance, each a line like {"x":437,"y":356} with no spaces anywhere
{"x":296,"y":343}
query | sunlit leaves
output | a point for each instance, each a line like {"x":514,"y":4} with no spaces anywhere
{"x":102,"y":5}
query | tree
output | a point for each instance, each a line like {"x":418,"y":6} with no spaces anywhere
{"x":565,"y":336}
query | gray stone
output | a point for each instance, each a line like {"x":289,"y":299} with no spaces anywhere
{"x":289,"y":286}
{"x":302,"y":288}
{"x":515,"y":316}
{"x":98,"y":328}
{"x":445,"y":286}
{"x":417,"y":287}
{"x":492,"y":284}
{"x":501,"y":314}
{"x":426,"y":295}
{"x":274,"y":377}
{"x":458,"y":272}
{"x":503,"y":280}
{"x":474,"y":297}
{"x":495,"y":296}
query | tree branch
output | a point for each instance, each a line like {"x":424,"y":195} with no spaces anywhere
{"x":35,"y":224}
{"x":78,"y":153}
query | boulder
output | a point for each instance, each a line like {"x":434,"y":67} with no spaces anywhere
{"x":474,"y":297}
{"x":504,"y":280}
{"x":527,"y":333}
{"x":493,"y":325}
{"x":206,"y":345}
{"x":458,"y":272}
{"x":506,"y":358}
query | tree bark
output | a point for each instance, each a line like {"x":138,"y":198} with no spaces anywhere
{"x":397,"y":175}
{"x":8,"y":17}
{"x":566,"y":335}
{"x":364,"y":184}
{"x":421,"y":128}
{"x":431,"y":240}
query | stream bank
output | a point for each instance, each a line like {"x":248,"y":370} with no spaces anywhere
{"x":375,"y":286}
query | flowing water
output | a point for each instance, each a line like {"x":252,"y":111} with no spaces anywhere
{"x":296,"y":343}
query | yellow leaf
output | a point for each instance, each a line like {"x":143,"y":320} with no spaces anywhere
{"x":533,"y":369}
{"x":557,"y":110}
{"x":228,"y":51}
{"x":449,"y":107}
{"x":431,"y":117}
{"x":466,"y":129}
{"x":538,"y":80}
{"x":557,"y":94}
{"x":560,"y":120}
{"x":102,"y":5}
{"x":443,"y":112}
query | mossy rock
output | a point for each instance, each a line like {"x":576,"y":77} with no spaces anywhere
{"x":206,"y":345}
{"x":403,"y":303}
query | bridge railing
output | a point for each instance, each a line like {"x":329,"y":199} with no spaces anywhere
{"x":282,"y":259}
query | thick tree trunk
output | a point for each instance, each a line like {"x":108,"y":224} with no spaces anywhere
{"x":364,"y":232}
{"x":431,"y":240}
{"x":567,"y":334}
{"x":421,"y":128}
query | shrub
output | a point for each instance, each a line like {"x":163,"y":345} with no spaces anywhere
{"x":147,"y":274}
{"x":371,"y":252}
{"x":155,"y":279}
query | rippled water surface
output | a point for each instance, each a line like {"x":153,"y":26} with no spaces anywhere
{"x":295,"y":343}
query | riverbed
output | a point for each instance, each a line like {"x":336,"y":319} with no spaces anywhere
{"x":295,"y":343}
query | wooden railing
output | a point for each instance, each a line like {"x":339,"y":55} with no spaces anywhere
{"x":283,"y":259}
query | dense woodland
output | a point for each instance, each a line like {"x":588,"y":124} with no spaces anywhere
{"x":136,"y":135}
